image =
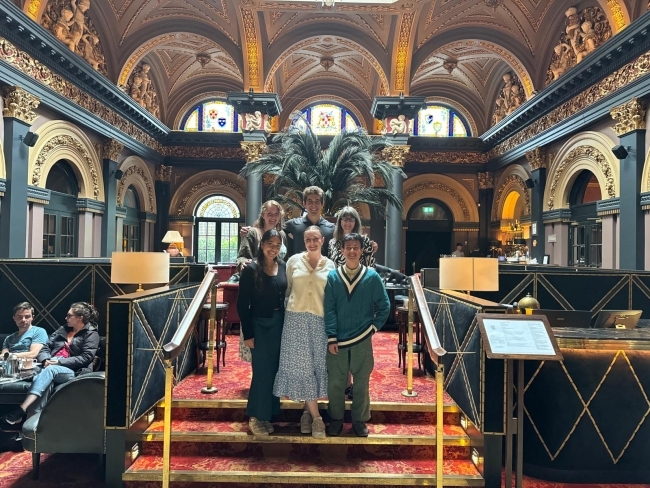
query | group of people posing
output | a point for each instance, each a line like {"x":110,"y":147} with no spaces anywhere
{"x":308,"y":323}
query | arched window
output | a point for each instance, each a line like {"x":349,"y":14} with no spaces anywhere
{"x":60,"y":216}
{"x":211,"y":116}
{"x":131,"y":224}
{"x":439,"y":121}
{"x":217,"y":230}
{"x":327,"y":119}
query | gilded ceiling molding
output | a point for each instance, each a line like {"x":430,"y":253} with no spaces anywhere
{"x":251,"y":49}
{"x":537,"y":158}
{"x":458,"y":108}
{"x":620,"y":78}
{"x":193,"y":102}
{"x":511,"y":183}
{"x":617,"y":14}
{"x":112,"y":149}
{"x":584,"y":32}
{"x":163,"y":173}
{"x":441,"y":187}
{"x":630,"y":116}
{"x":456,"y":157}
{"x":203,"y":152}
{"x":20,"y":104}
{"x":33,"y":8}
{"x":328,"y":99}
{"x":396,"y":155}
{"x":35,"y":69}
{"x":70,"y":23}
{"x":47,"y":157}
{"x":402,"y":51}
{"x":597,"y":158}
{"x":252,"y":150}
{"x":135,"y":58}
{"x":138,"y":177}
{"x":485,"y":180}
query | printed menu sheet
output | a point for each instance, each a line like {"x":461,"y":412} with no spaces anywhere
{"x":522,"y":337}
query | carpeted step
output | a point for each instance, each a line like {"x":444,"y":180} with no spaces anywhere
{"x":249,"y":465}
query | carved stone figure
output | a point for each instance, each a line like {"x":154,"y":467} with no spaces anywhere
{"x":511,"y":97}
{"x":68,"y":20}
{"x":253,"y":121}
{"x":499,"y":111}
{"x":141,"y":89}
{"x":399,"y":125}
{"x":584,"y":32}
{"x":516,"y":98}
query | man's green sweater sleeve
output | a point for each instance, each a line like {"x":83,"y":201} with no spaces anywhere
{"x":331,"y":324}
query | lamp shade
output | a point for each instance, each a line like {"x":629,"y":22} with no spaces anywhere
{"x":139,"y":267}
{"x":469,"y":274}
{"x":172,"y":236}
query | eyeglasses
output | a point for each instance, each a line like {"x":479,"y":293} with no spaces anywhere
{"x":348,"y":219}
{"x":67,"y":316}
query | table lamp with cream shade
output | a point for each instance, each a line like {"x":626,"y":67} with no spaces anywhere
{"x":139,"y":268}
{"x":175,"y":241}
{"x":469,"y":274}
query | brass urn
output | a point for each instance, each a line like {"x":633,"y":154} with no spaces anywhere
{"x":528,"y":302}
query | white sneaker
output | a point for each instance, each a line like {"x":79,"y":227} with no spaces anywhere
{"x":305,"y":423}
{"x":257,"y":427}
{"x":318,"y":428}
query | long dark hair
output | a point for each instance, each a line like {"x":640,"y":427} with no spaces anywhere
{"x":261,"y":259}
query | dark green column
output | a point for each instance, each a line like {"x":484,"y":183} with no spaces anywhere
{"x":394,"y":253}
{"x":18,"y":117}
{"x":163,"y":199}
{"x":537,"y":160}
{"x":630,"y":128}
{"x":253,"y":145}
{"x":111,"y":152}
{"x":485,"y":199}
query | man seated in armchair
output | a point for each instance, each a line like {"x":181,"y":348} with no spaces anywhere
{"x":28,"y":340}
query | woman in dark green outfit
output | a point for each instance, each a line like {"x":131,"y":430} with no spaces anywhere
{"x":260,"y":305}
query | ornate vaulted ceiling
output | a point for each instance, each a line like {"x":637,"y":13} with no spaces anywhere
{"x":467,"y":53}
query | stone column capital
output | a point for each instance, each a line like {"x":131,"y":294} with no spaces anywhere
{"x":163,"y":173}
{"x":20,"y":104}
{"x":111,"y":149}
{"x":485,"y":180}
{"x":396,"y":155}
{"x":629,"y":116}
{"x":253,"y":150}
{"x":537,"y":158}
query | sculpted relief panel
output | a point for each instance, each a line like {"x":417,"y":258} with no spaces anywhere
{"x":512,"y":96}
{"x":68,"y":20}
{"x":584,"y":32}
{"x":141,"y":89}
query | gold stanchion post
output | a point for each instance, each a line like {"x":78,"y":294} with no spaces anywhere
{"x":167,"y":422}
{"x":409,"y":341}
{"x":209,"y":389}
{"x":440,"y":407}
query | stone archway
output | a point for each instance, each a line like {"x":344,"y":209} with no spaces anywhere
{"x":205,"y":184}
{"x":449,"y":191}
{"x":63,"y":140}
{"x":513,"y":179}
{"x":137,"y":174}
{"x":586,"y":151}
{"x":645,"y":178}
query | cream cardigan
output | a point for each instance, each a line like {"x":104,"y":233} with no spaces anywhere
{"x":306,"y":285}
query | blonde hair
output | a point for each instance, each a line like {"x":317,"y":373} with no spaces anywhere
{"x":260,"y":224}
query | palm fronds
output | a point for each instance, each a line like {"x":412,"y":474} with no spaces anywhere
{"x":346,"y":171}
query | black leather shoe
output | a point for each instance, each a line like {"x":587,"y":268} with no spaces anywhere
{"x":360,"y":429}
{"x":335,"y":427}
{"x":15,"y":416}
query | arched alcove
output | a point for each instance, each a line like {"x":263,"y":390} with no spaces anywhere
{"x":138,"y":175}
{"x":204,"y":184}
{"x":445,"y":189}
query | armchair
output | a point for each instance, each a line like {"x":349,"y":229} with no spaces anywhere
{"x":71,"y":421}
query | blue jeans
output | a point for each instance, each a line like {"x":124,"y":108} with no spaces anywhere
{"x":52,"y":375}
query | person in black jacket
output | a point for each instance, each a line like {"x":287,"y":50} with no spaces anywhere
{"x":69,"y":352}
{"x":260,"y":305}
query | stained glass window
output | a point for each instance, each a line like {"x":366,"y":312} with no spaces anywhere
{"x":327,"y":119}
{"x":211,"y":116}
{"x":439,"y":121}
{"x":218,"y":207}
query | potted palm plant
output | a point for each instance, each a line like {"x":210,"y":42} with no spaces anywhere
{"x":347,"y":171}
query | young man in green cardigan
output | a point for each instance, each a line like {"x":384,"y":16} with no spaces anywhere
{"x":356,"y":306}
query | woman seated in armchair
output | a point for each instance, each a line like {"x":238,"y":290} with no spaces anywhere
{"x":69,"y":352}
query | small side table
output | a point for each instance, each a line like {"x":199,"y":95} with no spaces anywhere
{"x":219,"y":331}
{"x":402,"y":334}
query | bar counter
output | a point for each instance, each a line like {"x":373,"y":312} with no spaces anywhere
{"x":587,"y":417}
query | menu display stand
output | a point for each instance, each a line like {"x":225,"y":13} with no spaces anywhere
{"x":517,"y":338}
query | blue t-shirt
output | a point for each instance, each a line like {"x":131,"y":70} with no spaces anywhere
{"x":16,"y":343}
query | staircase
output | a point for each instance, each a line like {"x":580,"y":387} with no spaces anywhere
{"x":211,"y":444}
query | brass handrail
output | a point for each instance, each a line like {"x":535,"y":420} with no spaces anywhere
{"x":171,"y":351}
{"x":435,"y":350}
